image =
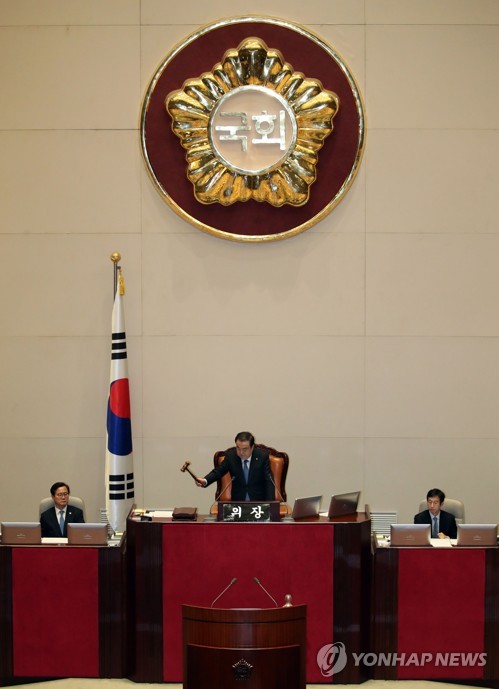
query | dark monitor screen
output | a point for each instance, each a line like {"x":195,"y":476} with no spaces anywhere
{"x":306,"y":507}
{"x":344,"y":503}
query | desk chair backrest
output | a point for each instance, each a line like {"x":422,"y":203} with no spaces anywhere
{"x":73,"y":500}
{"x":455,"y":507}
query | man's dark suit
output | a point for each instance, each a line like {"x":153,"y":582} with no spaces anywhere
{"x":50,"y":523}
{"x":447,"y":523}
{"x":260,"y":486}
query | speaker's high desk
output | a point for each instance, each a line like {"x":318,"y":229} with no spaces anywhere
{"x":323,"y":564}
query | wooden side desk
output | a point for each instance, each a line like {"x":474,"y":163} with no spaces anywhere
{"x":442,"y":602}
{"x":62,"y":612}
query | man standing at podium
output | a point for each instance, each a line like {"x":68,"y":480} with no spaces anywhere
{"x":443,"y":524}
{"x":249,"y":468}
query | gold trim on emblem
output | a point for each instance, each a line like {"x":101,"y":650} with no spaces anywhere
{"x":256,"y":74}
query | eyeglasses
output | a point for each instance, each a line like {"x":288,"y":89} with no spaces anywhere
{"x":61,"y":495}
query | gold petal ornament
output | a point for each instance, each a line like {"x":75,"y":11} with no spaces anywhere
{"x":252,"y":128}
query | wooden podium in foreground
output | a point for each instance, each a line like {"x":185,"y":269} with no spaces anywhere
{"x":264,"y":647}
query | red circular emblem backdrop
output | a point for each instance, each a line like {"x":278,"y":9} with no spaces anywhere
{"x":339,"y":158}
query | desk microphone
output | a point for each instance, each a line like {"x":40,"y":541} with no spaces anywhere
{"x":233,"y":581}
{"x":255,"y":579}
{"x":277,"y":489}
{"x":227,"y":486}
{"x":210,"y":518}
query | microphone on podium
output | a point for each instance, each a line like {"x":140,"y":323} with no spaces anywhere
{"x":257,"y":580}
{"x":233,"y":581}
{"x":210,"y":518}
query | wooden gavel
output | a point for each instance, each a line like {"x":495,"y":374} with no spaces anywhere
{"x":186,"y":468}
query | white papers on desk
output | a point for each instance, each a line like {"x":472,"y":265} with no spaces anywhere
{"x":54,"y":540}
{"x":162,"y":514}
{"x":441,"y":542}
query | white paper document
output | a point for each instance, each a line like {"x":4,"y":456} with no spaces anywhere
{"x":441,"y":542}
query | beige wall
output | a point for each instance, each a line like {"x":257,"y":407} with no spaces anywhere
{"x":367,"y":347}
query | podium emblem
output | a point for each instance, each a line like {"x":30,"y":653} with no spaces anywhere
{"x":242,"y":669}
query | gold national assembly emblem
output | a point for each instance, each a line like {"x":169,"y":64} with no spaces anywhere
{"x":255,"y":141}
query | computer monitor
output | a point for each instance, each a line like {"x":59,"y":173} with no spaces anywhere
{"x":21,"y":533}
{"x":343,"y":504}
{"x":306,"y":507}
{"x":413,"y":535}
{"x":87,"y":534}
{"x":476,"y":534}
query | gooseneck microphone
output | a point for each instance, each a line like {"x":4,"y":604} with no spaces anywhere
{"x":233,"y":581}
{"x":277,"y":489}
{"x":210,"y":518}
{"x":257,"y":580}
{"x":227,"y":486}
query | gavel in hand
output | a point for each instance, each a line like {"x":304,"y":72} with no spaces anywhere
{"x":186,"y":468}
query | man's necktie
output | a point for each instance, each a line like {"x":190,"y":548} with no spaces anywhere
{"x":246,"y":474}
{"x":434,"y":528}
{"x":61,"y":520}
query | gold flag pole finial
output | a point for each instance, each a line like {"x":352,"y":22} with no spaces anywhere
{"x":115,"y":257}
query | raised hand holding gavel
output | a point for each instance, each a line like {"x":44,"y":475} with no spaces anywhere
{"x":201,"y":482}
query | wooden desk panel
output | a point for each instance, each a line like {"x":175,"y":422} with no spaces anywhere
{"x":441,"y":611}
{"x":55,"y":612}
{"x":5,"y":615}
{"x":294,"y":558}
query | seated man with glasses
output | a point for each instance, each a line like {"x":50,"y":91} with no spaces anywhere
{"x":54,"y":520}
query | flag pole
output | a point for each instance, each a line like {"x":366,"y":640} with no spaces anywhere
{"x":115,"y":258}
{"x":120,"y":487}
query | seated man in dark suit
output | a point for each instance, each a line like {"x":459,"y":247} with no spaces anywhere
{"x":443,"y":524}
{"x":249,"y":469}
{"x":54,"y":521}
